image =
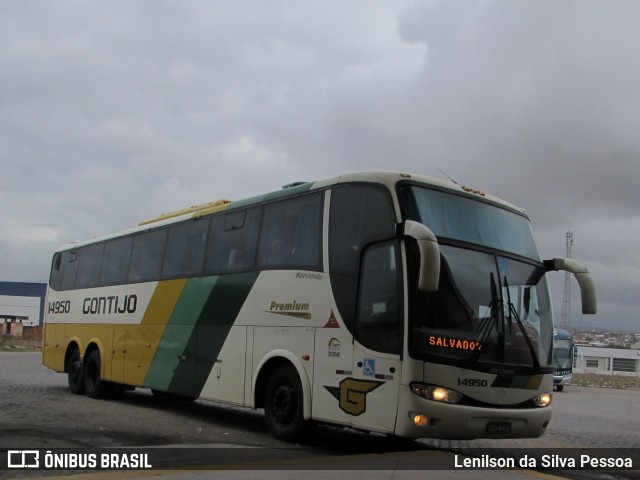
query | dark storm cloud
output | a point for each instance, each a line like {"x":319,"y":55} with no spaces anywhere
{"x":111,"y":112}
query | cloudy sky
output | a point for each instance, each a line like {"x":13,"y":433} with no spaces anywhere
{"x":112,"y":112}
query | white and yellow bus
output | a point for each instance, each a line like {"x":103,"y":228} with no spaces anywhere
{"x":382,"y":301}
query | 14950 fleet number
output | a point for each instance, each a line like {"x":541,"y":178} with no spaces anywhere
{"x":472,"y":382}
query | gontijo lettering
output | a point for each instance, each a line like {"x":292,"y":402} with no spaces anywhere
{"x":110,"y":305}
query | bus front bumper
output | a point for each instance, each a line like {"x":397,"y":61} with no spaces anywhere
{"x":562,"y":379}
{"x":421,"y":418}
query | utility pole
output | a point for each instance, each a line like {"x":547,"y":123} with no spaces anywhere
{"x":565,"y":317}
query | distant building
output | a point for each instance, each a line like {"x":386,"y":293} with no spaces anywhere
{"x":21,"y":305}
{"x":612,"y":361}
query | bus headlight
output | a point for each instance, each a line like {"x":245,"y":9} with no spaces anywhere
{"x":543,"y":400}
{"x":433,"y":392}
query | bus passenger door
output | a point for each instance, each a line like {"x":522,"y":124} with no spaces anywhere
{"x":378,"y":339}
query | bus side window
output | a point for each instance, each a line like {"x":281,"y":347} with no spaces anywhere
{"x":89,"y":265}
{"x":115,"y":262}
{"x":146,"y":256}
{"x":232,"y":241}
{"x":378,"y":325}
{"x":290,"y":235}
{"x":57,"y":272}
{"x":70,"y":266}
{"x":185,"y":249}
{"x":360,"y":215}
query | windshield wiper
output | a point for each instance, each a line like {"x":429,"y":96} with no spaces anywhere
{"x":487,"y":323}
{"x":514,"y":314}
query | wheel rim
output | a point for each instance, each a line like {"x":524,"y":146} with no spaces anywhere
{"x":92,"y":373}
{"x":75,"y":371}
{"x":284,"y":404}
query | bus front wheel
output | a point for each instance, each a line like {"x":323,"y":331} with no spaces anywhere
{"x":284,"y":405}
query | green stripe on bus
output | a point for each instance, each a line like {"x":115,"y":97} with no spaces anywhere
{"x":173,"y":349}
{"x":268,"y":197}
{"x":214,"y":323}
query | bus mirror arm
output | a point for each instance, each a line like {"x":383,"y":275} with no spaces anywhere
{"x":429,"y":254}
{"x":582,"y":275}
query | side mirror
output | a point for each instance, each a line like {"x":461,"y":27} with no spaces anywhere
{"x":429,"y":254}
{"x":582,"y":275}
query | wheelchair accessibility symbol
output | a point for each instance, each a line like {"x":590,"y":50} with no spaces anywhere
{"x":369,"y":367}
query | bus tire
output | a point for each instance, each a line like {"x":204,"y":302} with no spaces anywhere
{"x":284,"y":405}
{"x":94,"y":385}
{"x":75,"y":373}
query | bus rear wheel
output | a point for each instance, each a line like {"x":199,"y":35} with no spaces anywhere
{"x":94,"y":385}
{"x":284,"y":405}
{"x":75,"y":373}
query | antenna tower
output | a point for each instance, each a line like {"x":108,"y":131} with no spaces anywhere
{"x":565,"y":317}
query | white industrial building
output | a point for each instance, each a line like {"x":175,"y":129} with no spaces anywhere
{"x":21,"y":305}
{"x":611,"y":361}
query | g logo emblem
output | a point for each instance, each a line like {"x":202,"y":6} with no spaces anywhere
{"x":353,"y":395}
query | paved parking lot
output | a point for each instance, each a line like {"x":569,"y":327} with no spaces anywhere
{"x":38,"y":411}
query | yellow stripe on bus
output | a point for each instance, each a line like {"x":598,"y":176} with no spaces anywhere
{"x":141,"y":341}
{"x":163,"y":302}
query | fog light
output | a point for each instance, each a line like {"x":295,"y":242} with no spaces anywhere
{"x":543,"y":400}
{"x":419,"y":419}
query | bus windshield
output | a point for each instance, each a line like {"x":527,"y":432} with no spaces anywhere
{"x":562,"y":350}
{"x":491,"y":308}
{"x":488,"y":309}
{"x":473,"y":221}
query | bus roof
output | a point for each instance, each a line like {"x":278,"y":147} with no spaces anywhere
{"x":387,"y":178}
{"x":209,"y":207}
{"x":560,"y":334}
